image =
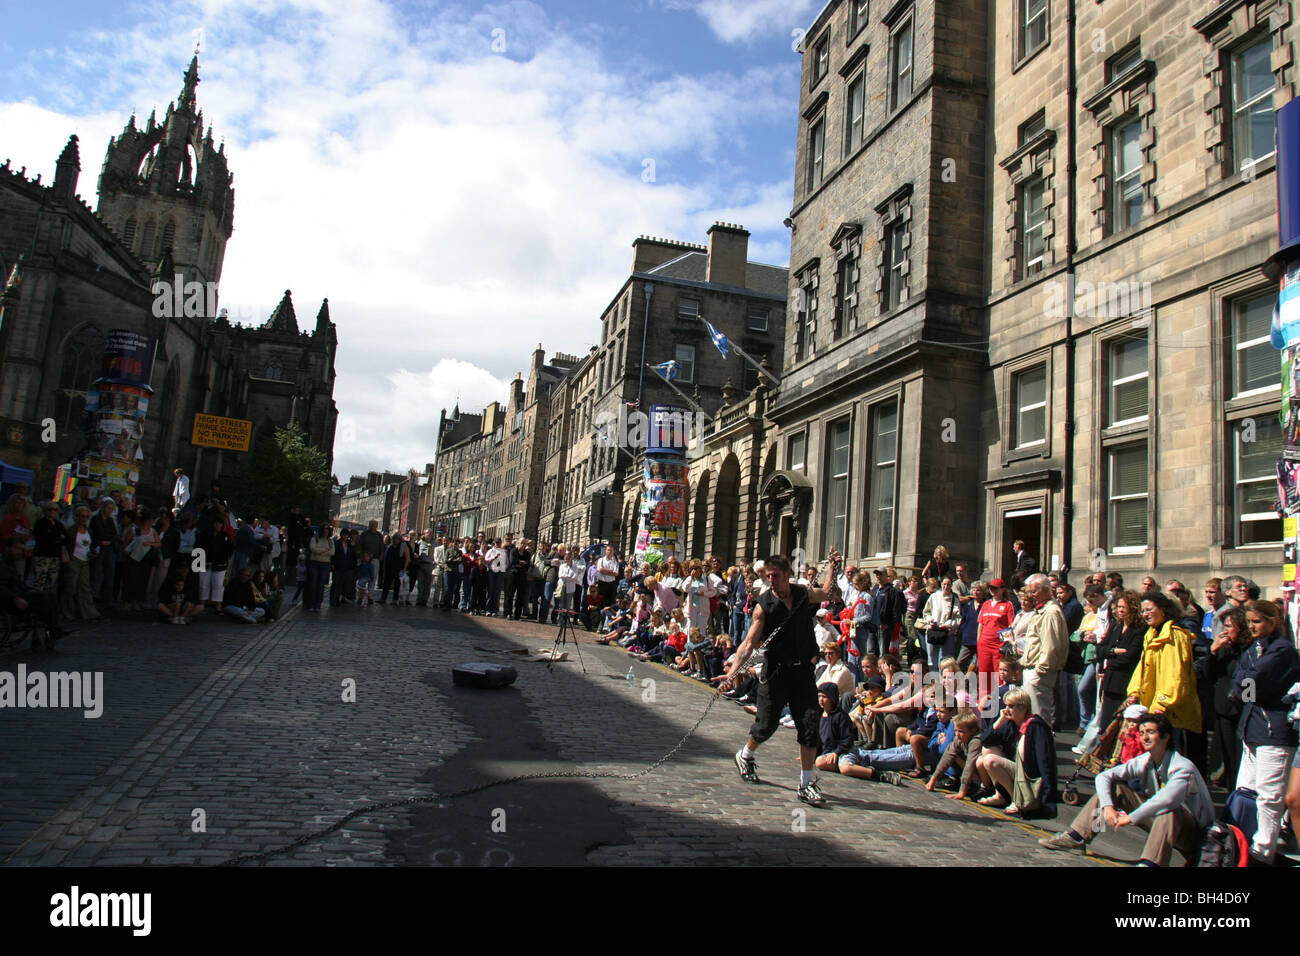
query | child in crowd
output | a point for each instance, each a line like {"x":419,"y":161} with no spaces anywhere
{"x":835,"y":728}
{"x":864,"y":721}
{"x":365,"y":580}
{"x":991,"y":703}
{"x":1129,"y":744}
{"x":693,"y":659}
{"x":716,"y":656}
{"x":959,"y":755}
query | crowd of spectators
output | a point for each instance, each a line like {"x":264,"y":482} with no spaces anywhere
{"x":963,"y":684}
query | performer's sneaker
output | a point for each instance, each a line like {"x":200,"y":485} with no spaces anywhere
{"x":891,"y":777}
{"x":748,"y":769}
{"x":810,"y":795}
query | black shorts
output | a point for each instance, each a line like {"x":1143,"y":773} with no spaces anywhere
{"x":793,"y":685}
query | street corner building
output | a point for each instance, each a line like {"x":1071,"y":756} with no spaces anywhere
{"x":147,"y":259}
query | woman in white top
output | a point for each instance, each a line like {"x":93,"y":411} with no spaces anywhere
{"x":697,"y":591}
{"x":835,"y":670}
{"x":939,"y":623}
{"x":568,"y":583}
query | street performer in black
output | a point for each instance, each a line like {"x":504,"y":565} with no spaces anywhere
{"x":782,"y":630}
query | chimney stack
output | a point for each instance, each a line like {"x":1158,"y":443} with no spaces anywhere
{"x":728,"y":253}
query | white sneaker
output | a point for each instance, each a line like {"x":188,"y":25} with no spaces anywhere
{"x":787,"y":721}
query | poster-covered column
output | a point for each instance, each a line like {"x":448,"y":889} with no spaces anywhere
{"x":116,"y":405}
{"x":1285,"y":335}
{"x":662,"y":514}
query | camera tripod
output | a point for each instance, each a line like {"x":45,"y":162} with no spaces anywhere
{"x":566,"y":632}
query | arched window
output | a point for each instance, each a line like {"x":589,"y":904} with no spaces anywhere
{"x":169,"y":236}
{"x":128,"y":233}
{"x":274,"y":370}
{"x":146,"y":240}
{"x":83,"y":356}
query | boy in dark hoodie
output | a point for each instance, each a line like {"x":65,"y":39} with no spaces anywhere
{"x":836,"y":728}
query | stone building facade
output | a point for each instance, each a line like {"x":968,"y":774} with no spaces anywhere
{"x":987,"y":348}
{"x":165,"y":210}
{"x":1133,"y":424}
{"x":467,"y":447}
{"x":590,"y":484}
{"x":884,"y":360}
{"x":374,"y":497}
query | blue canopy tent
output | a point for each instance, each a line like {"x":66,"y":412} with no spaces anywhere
{"x":11,"y":476}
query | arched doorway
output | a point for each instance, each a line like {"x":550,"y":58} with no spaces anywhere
{"x":766,"y":532}
{"x":700,"y":519}
{"x":726,"y":511}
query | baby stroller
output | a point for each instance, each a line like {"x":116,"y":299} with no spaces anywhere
{"x":1102,"y":757}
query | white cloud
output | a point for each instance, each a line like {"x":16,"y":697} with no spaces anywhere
{"x":743,"y":21}
{"x":415,"y":399}
{"x":455,"y":205}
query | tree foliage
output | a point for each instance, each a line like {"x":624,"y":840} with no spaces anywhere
{"x":282,"y":471}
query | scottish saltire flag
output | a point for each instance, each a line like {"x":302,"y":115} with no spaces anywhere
{"x":719,"y":339}
{"x":667,"y":370}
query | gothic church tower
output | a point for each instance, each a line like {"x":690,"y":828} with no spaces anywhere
{"x":167,"y":186}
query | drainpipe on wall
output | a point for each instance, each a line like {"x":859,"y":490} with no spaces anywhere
{"x":1071,"y":167}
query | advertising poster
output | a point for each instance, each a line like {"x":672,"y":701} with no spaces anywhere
{"x":663,"y":504}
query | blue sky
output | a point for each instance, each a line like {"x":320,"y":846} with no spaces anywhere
{"x":435,"y":169}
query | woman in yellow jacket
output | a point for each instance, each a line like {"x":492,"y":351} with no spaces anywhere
{"x":1164,"y":681}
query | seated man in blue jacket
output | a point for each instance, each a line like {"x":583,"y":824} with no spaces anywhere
{"x":1172,"y":803}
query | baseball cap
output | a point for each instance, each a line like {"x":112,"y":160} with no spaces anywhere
{"x":997,"y":583}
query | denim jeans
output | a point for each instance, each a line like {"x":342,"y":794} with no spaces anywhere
{"x":935,"y":653}
{"x":871,"y":642}
{"x":1088,"y":694}
{"x":545,"y":611}
{"x":895,"y":758}
{"x":317,"y":572}
{"x":450,"y":588}
{"x":737,"y":627}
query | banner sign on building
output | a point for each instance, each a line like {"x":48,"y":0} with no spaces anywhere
{"x":128,"y":358}
{"x":228,"y":434}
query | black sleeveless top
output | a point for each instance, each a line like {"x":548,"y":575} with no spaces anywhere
{"x":796,"y":644}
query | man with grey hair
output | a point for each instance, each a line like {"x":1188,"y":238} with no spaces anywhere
{"x":1047,"y":647}
{"x":1236,"y":590}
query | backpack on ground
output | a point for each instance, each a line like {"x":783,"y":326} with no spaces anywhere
{"x":1222,"y":845}
{"x":1239,"y":810}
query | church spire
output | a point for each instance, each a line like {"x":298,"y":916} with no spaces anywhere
{"x":66,"y":170}
{"x":186,"y":100}
{"x":283,"y":318}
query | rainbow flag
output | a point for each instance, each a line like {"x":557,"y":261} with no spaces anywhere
{"x":64,"y":484}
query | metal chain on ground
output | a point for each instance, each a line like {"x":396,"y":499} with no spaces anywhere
{"x":438,"y":798}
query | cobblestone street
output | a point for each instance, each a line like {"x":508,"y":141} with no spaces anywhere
{"x":245,"y":730}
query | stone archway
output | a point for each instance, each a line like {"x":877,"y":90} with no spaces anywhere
{"x":700,"y":517}
{"x":766,"y":531}
{"x":726,"y":511}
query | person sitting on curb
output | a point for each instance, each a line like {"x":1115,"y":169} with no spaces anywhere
{"x":1173,"y":804}
{"x":870,"y":764}
{"x":960,"y":755}
{"x":835,"y":728}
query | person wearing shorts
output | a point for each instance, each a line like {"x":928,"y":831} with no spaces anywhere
{"x":783,"y":623}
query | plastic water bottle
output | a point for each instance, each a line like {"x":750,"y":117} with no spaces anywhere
{"x":630,"y":676}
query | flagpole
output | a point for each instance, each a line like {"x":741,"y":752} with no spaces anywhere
{"x":743,"y":354}
{"x":688,"y":401}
